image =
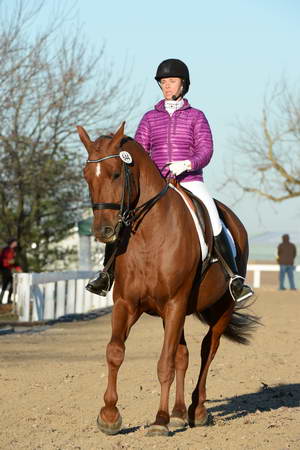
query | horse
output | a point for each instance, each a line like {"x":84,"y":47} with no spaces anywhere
{"x":157,"y":267}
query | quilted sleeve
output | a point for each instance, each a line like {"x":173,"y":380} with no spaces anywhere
{"x":203,"y":143}
{"x":142,"y":135}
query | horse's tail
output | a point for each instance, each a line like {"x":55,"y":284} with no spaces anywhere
{"x":242,"y":323}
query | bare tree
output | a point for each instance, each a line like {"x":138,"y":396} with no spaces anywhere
{"x":267,"y":161}
{"x":49,"y":83}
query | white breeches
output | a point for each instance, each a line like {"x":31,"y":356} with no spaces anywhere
{"x":200,"y":191}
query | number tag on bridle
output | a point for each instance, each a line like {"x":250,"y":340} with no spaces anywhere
{"x":126,"y":157}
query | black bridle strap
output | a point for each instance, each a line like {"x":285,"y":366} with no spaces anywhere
{"x":99,"y":206}
{"x":127,"y":216}
{"x":123,"y":207}
{"x":132,"y":215}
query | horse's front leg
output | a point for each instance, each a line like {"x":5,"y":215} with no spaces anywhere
{"x":174,"y":316}
{"x":179,"y":413}
{"x":123,"y":317}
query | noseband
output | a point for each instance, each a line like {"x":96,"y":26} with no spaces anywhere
{"x":127,"y":215}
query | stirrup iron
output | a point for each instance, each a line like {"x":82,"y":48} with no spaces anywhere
{"x":241,"y":296}
{"x":100,"y":284}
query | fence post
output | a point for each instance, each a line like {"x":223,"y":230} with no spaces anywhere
{"x":38,"y":302}
{"x":60,"y":298}
{"x":71,"y":296}
{"x":79,"y":306}
{"x":49,"y":301}
{"x":256,"y":279}
{"x":22,"y":294}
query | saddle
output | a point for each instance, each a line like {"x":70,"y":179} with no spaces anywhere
{"x":198,"y":207}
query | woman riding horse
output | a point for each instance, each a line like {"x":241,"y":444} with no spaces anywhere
{"x":179,"y":140}
{"x":158,"y":263}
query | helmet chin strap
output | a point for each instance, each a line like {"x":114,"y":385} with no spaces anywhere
{"x":176,"y":97}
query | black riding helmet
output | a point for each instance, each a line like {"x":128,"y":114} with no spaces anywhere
{"x":174,"y":68}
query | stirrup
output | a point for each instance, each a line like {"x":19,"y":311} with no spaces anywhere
{"x":246,"y":290}
{"x":100,"y":284}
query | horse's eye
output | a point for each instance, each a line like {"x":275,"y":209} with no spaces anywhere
{"x":115,"y":175}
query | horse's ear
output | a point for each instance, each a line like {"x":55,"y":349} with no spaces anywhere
{"x":84,"y":137}
{"x":118,"y":136}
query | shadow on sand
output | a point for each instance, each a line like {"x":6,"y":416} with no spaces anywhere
{"x":266,"y":399}
{"x":36,"y":327}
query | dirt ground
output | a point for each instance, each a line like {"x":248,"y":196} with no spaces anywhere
{"x":52,"y":382}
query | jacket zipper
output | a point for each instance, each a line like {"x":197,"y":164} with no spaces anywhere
{"x":169,"y":137}
{"x":169,"y":133}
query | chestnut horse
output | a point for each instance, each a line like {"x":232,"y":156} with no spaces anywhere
{"x":157,"y":262}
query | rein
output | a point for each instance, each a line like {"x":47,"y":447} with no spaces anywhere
{"x":127,"y":215}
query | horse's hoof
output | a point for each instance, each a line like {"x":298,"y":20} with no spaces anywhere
{"x":109,"y":428}
{"x":157,"y":430}
{"x":177,"y":423}
{"x":200,"y":421}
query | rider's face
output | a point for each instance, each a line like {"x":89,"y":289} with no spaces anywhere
{"x":170,"y":87}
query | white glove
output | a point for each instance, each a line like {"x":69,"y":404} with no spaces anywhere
{"x":178,"y":167}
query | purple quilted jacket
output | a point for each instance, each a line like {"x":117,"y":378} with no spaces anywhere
{"x":184,"y":135}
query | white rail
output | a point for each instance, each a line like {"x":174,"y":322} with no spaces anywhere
{"x":258,"y":268}
{"x":50,"y":295}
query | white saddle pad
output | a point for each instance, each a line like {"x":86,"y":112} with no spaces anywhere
{"x":203,"y":246}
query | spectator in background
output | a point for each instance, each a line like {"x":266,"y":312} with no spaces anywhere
{"x":286,"y":254}
{"x":7,"y":267}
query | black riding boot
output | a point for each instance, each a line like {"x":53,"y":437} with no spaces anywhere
{"x":238,"y":289}
{"x":105,"y":278}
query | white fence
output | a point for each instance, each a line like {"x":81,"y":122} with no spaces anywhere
{"x":50,"y":295}
{"x":258,"y":268}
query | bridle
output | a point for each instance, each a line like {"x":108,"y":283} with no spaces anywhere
{"x":127,"y":215}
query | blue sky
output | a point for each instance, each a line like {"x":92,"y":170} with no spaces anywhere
{"x":234,"y":50}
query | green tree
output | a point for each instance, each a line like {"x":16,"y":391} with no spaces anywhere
{"x":50,"y":82}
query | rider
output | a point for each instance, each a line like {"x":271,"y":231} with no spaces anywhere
{"x":7,"y":267}
{"x":177,"y":135}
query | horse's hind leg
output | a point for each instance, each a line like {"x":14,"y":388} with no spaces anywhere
{"x":179,"y":414}
{"x":109,"y":419}
{"x":219,"y":316}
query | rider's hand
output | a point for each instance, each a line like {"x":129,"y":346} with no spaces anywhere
{"x":178,"y":167}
